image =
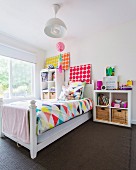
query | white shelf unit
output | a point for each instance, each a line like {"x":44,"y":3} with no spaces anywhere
{"x":109,"y":114}
{"x":48,"y":81}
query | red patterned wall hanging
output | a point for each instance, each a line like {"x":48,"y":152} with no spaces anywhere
{"x":81,"y":73}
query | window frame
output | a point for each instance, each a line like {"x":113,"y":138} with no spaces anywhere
{"x":15,"y":98}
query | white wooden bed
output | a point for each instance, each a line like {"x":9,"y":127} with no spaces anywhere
{"x":39,"y":142}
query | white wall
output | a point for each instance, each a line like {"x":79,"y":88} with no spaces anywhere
{"x":40,"y":57}
{"x":114,"y":46}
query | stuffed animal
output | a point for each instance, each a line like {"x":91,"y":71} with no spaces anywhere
{"x":50,"y":66}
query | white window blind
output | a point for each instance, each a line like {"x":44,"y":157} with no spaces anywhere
{"x":15,"y":53}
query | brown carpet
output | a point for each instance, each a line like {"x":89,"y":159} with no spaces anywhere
{"x":92,"y":146}
{"x":133,"y":149}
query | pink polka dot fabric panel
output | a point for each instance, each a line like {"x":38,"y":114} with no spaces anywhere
{"x":81,"y":73}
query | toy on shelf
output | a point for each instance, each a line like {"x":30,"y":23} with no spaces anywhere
{"x":52,"y":89}
{"x":129,"y":83}
{"x":44,"y":76}
{"x":50,"y":66}
{"x":99,"y":85}
{"x":103,"y":100}
{"x":127,"y":86}
{"x":118,"y":103}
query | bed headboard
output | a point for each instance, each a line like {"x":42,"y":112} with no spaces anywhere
{"x":88,"y":92}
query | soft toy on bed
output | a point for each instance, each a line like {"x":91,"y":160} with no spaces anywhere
{"x":64,"y":93}
{"x":70,"y":96}
{"x":70,"y":93}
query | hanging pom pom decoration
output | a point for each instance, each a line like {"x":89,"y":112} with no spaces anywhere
{"x":60,"y":68}
{"x":60,"y":63}
{"x":60,"y":58}
{"x":60,"y":47}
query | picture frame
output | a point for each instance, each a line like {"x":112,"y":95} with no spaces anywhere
{"x":110,"y":71}
{"x":110,"y":82}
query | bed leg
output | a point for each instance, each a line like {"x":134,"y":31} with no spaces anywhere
{"x":33,"y":154}
{"x":33,"y":136}
{"x":1,"y":105}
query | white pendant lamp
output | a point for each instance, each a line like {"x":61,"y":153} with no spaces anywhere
{"x":55,"y":27}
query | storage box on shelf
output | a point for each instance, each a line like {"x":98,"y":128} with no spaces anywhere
{"x":113,"y":107}
{"x":52,"y":95}
{"x":45,"y":95}
{"x":119,"y":116}
{"x":102,"y":113}
{"x":51,"y":83}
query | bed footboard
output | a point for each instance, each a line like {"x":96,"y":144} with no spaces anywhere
{"x":33,"y":137}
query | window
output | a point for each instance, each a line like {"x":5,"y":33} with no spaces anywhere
{"x":16,"y":78}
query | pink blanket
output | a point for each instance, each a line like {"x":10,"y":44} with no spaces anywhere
{"x":15,"y":122}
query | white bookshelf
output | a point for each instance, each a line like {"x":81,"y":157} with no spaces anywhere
{"x":48,"y":82}
{"x":110,"y":114}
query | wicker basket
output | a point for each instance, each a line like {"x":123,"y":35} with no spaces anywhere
{"x":102,"y":113}
{"x":45,"y":95}
{"x":120,"y":116}
{"x":52,"y":95}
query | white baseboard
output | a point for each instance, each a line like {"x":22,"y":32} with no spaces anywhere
{"x":133,"y":122}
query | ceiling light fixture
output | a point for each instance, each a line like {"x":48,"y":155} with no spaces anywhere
{"x":55,"y":27}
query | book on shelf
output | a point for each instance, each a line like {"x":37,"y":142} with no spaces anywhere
{"x":102,"y":99}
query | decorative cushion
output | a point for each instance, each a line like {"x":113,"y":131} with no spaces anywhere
{"x":76,"y":92}
{"x":78,"y":84}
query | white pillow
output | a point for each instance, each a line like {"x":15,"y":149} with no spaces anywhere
{"x":64,"y":93}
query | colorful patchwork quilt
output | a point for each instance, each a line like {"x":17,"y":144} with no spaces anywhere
{"x":53,"y":114}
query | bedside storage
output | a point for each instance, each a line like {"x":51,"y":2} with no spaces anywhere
{"x":51,"y":81}
{"x":106,"y":111}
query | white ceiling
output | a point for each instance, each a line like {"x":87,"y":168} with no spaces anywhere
{"x":25,"y":19}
